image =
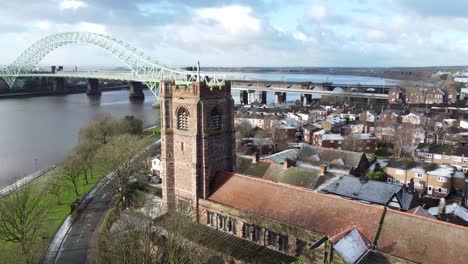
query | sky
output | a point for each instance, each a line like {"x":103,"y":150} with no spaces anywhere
{"x":314,"y":33}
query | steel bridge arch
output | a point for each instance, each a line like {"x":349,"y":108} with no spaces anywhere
{"x":150,"y":71}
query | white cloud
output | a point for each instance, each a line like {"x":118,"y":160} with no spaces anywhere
{"x":318,"y":12}
{"x":43,"y":25}
{"x":234,"y":18}
{"x":376,"y":35}
{"x":72,"y":4}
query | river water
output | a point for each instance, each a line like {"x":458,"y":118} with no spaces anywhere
{"x":41,"y":130}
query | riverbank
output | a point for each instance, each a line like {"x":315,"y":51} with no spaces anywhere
{"x":51,"y":93}
{"x":57,"y":212}
{"x":26,"y":180}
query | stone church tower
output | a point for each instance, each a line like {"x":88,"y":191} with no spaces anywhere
{"x":198,"y":140}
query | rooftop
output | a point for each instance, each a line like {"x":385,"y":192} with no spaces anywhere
{"x":443,"y":149}
{"x":291,"y":204}
{"x":317,"y":155}
{"x":332,"y":137}
{"x":422,"y":240}
{"x":370,"y":191}
{"x":280,"y":157}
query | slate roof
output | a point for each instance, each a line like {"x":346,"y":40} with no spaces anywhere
{"x":351,"y":246}
{"x":312,"y":127}
{"x":307,"y":178}
{"x":308,"y":153}
{"x":407,"y":199}
{"x":405,"y":164}
{"x":280,"y":157}
{"x":324,"y":214}
{"x":423,"y":240}
{"x":443,"y":149}
{"x":461,"y":212}
{"x":370,"y":191}
{"x":421,"y":212}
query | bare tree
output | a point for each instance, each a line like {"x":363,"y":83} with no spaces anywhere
{"x":404,"y":140}
{"x":22,"y":215}
{"x":262,"y":137}
{"x":55,"y":187}
{"x":120,"y":155}
{"x":101,"y":130}
{"x":351,"y":143}
{"x":86,"y":152}
{"x":280,"y":138}
{"x":72,"y":168}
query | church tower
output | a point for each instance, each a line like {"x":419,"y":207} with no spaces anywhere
{"x":197,"y":140}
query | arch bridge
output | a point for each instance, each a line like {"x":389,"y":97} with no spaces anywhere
{"x":143,"y":69}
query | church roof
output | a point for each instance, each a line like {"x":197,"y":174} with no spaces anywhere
{"x":422,"y":240}
{"x":296,"y":206}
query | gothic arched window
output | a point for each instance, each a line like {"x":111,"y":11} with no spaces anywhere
{"x":215,"y":118}
{"x":182,"y":118}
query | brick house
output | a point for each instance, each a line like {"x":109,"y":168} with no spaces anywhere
{"x":451,"y":95}
{"x":328,"y":140}
{"x":368,"y":117}
{"x":431,"y":179}
{"x":366,"y":142}
{"x":413,"y":118}
{"x":456,"y":156}
{"x":396,"y":95}
{"x":390,"y":116}
{"x":435,"y":96}
{"x":262,"y":221}
{"x":414,"y":95}
{"x":309,"y":131}
{"x":335,"y":124}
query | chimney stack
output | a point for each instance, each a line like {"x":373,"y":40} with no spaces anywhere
{"x":255,"y":158}
{"x":287,"y":163}
{"x":323,"y":169}
{"x":411,"y":185}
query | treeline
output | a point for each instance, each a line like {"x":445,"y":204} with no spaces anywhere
{"x":30,"y":216}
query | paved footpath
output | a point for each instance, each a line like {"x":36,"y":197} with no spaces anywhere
{"x":71,"y":243}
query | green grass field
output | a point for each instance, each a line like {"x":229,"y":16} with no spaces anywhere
{"x":9,"y":252}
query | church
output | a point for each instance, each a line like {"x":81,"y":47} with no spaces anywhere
{"x":280,"y":222}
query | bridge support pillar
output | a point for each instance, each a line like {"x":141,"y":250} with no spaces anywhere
{"x":244,"y":97}
{"x":251,"y":96}
{"x":262,"y":97}
{"x":136,"y":91}
{"x":278,"y":97}
{"x":305,"y":99}
{"x":284,"y":97}
{"x":93,"y":87}
{"x":59,"y":84}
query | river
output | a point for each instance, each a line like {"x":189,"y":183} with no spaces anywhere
{"x":41,"y":130}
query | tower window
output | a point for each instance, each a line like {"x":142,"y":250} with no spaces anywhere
{"x":182,"y":118}
{"x":215,"y":119}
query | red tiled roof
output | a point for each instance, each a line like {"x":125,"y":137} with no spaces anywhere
{"x":324,"y":214}
{"x":423,"y":240}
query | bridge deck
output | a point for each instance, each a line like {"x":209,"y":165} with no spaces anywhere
{"x":236,"y":85}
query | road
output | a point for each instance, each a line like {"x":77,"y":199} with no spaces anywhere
{"x":72,"y":241}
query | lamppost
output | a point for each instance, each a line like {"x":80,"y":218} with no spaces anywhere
{"x":35,"y":162}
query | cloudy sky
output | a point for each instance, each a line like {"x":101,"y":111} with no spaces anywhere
{"x":248,"y":33}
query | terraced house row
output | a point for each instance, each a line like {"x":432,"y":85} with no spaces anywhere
{"x":428,"y":178}
{"x":419,"y":95}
